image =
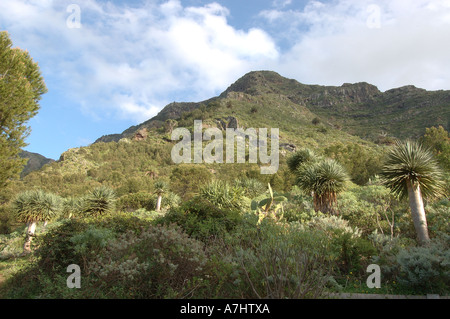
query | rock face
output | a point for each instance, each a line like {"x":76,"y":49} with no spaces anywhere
{"x":229,"y":122}
{"x":141,"y":135}
{"x":288,"y":146}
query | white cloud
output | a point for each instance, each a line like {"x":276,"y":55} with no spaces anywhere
{"x":128,"y":61}
{"x":136,"y":59}
{"x":386,"y":43}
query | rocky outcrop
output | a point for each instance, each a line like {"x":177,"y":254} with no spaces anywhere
{"x":141,"y":134}
{"x":228,"y":122}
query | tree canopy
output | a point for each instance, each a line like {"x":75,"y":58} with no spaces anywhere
{"x":21,"y":87}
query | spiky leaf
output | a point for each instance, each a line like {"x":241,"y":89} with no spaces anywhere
{"x":411,"y":161}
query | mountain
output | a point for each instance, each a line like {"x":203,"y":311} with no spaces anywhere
{"x":35,"y":162}
{"x":353,"y":123}
{"x":360,"y":109}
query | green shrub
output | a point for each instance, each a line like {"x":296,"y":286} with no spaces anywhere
{"x":99,"y":201}
{"x":11,"y":245}
{"x":251,"y":186}
{"x":333,"y":225}
{"x":158,"y":263}
{"x":438,"y":216}
{"x":202,"y":220}
{"x":223,"y":195}
{"x":5,"y":219}
{"x":284,"y":262}
{"x":91,"y":241}
{"x":352,"y":252}
{"x":132,"y":202}
{"x":426,"y":269}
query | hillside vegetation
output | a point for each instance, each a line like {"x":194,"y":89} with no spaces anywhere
{"x":140,"y":226}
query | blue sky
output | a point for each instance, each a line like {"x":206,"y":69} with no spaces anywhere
{"x":129,"y":59}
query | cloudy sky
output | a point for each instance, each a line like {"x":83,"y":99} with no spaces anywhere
{"x":112,"y":64}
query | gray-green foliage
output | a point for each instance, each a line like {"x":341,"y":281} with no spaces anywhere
{"x":223,"y":195}
{"x":99,"y":201}
{"x":36,"y":205}
{"x":91,"y":240}
{"x":284,"y":263}
{"x":410,"y":161}
{"x":251,"y":186}
{"x":426,"y":268}
{"x":160,"y":262}
{"x":11,"y":245}
{"x":333,"y":225}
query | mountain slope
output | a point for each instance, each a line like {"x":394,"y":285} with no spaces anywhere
{"x":359,"y":109}
{"x":338,"y":122}
{"x":35,"y":162}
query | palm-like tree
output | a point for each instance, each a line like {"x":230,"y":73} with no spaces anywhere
{"x":160,"y":189}
{"x":324,"y":180}
{"x":72,"y":207}
{"x":251,"y":186}
{"x":32,"y":207}
{"x":223,"y":195}
{"x":411,"y":171}
{"x":99,"y":201}
{"x":300,"y":158}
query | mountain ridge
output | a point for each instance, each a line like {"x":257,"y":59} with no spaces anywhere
{"x":351,"y":106}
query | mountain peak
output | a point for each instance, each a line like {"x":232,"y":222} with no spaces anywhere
{"x":258,"y":83}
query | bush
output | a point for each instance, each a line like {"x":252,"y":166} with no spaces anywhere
{"x":224,"y":196}
{"x":202,"y":220}
{"x":333,"y":225}
{"x":251,"y":186}
{"x":158,"y":263}
{"x":132,"y":202}
{"x":91,"y":241}
{"x":369,"y":208}
{"x":76,"y":241}
{"x":426,"y":269}
{"x":352,"y":252}
{"x":438,"y":216}
{"x":284,"y":262}
{"x":11,"y":245}
{"x":5,"y":219}
{"x":99,"y":201}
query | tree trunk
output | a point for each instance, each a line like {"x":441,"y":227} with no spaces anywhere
{"x":325,"y":203}
{"x":418,"y":212}
{"x":158,"y":203}
{"x":30,"y":234}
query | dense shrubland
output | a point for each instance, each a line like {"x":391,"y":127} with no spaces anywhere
{"x":248,"y":236}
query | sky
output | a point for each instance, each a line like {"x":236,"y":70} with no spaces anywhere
{"x":109,"y":65}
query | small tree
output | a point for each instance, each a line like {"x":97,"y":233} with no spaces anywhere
{"x":411,"y":171}
{"x":300,"y":158}
{"x":32,"y":207}
{"x":160,"y":189}
{"x":223,"y":195}
{"x":324,"y":180}
{"x":99,"y":201}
